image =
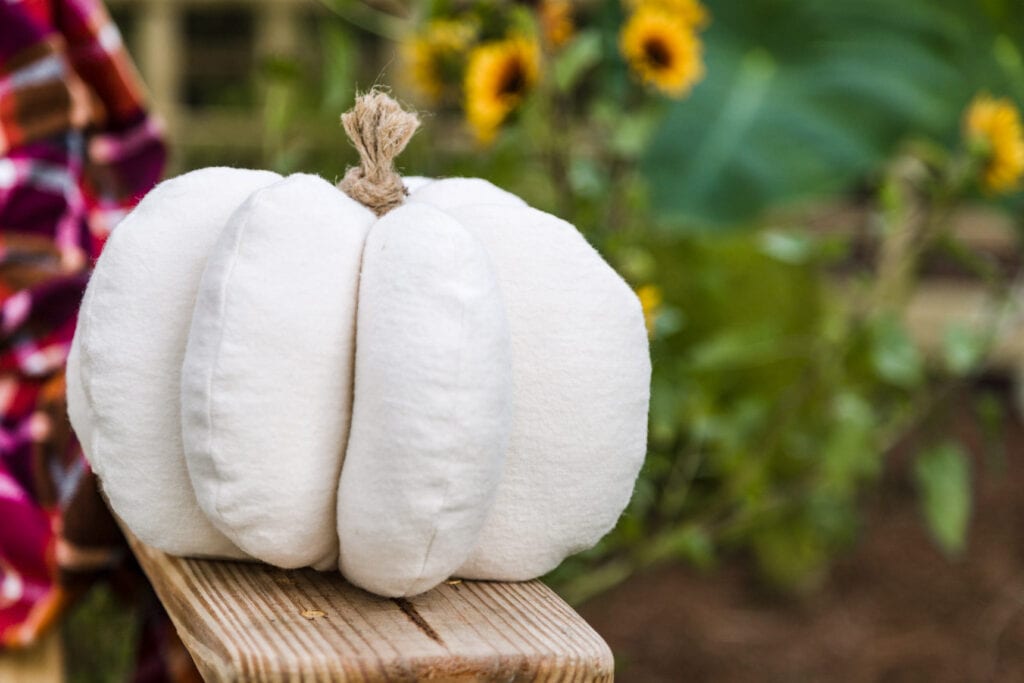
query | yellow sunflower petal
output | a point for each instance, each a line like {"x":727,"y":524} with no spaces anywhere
{"x":432,"y":55}
{"x":650,"y":300}
{"x":995,"y":126}
{"x":690,"y":12}
{"x":556,"y":21}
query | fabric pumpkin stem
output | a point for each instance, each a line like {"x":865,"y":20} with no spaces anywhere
{"x":379,"y":129}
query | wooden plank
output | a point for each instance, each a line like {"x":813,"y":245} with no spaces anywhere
{"x":252,"y":622}
{"x":936,"y":305}
{"x":979,"y":226}
{"x":40,"y":664}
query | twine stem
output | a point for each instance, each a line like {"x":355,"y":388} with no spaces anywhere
{"x":379,"y":130}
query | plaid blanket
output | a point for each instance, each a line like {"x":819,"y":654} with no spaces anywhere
{"x":77,"y":150}
{"x":64,"y":70}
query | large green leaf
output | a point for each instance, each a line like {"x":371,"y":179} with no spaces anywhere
{"x":802,"y":98}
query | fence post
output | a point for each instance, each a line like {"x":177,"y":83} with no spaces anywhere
{"x":159,"y":41}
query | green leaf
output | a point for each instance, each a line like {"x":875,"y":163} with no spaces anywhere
{"x":688,"y":542}
{"x":577,"y":58}
{"x":895,"y":357}
{"x":788,"y":247}
{"x":963,"y":348}
{"x":850,"y":453}
{"x":631,"y":134}
{"x":586,"y":178}
{"x":943,"y":480}
{"x":736,"y":349}
{"x":790,"y":552}
{"x":669,"y":321}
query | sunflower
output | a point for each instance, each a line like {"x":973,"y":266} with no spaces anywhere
{"x":556,"y":21}
{"x":993,"y":126}
{"x":498,"y":76}
{"x":662,"y":50}
{"x":690,"y":12}
{"x":650,"y":300}
{"x":435,"y":56}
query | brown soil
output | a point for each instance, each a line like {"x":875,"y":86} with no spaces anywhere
{"x":893,"y":609}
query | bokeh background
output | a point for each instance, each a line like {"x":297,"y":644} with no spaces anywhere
{"x":817,"y":204}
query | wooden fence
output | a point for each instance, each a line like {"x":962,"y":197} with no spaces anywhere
{"x":176,"y":57}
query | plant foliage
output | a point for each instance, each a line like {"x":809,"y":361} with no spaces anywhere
{"x":805,"y":98}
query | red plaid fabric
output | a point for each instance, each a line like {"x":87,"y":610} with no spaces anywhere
{"x":77,"y":150}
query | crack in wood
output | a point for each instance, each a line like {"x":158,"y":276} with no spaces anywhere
{"x":415,"y":617}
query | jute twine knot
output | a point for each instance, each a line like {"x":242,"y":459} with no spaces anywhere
{"x":379,"y":130}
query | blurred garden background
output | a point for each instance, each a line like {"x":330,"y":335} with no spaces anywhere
{"x":818,"y":205}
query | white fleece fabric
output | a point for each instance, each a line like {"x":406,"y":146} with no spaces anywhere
{"x":432,"y":406}
{"x":451,"y":193}
{"x":581,"y":375}
{"x":124,"y":376}
{"x":267,"y":379}
{"x":414,"y":182}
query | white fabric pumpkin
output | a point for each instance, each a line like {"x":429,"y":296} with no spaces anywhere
{"x":459,"y":387}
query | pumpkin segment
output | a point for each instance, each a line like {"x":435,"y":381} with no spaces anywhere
{"x":124,"y":372}
{"x":432,"y":408}
{"x":267,"y":378}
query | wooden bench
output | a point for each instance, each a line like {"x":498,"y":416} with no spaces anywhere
{"x":252,"y":622}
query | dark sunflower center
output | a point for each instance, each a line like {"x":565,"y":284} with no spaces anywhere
{"x":657,"y":53}
{"x":513,"y":80}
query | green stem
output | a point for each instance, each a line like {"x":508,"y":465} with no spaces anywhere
{"x":556,"y":149}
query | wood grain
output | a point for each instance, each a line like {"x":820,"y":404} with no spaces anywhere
{"x":251,"y":622}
